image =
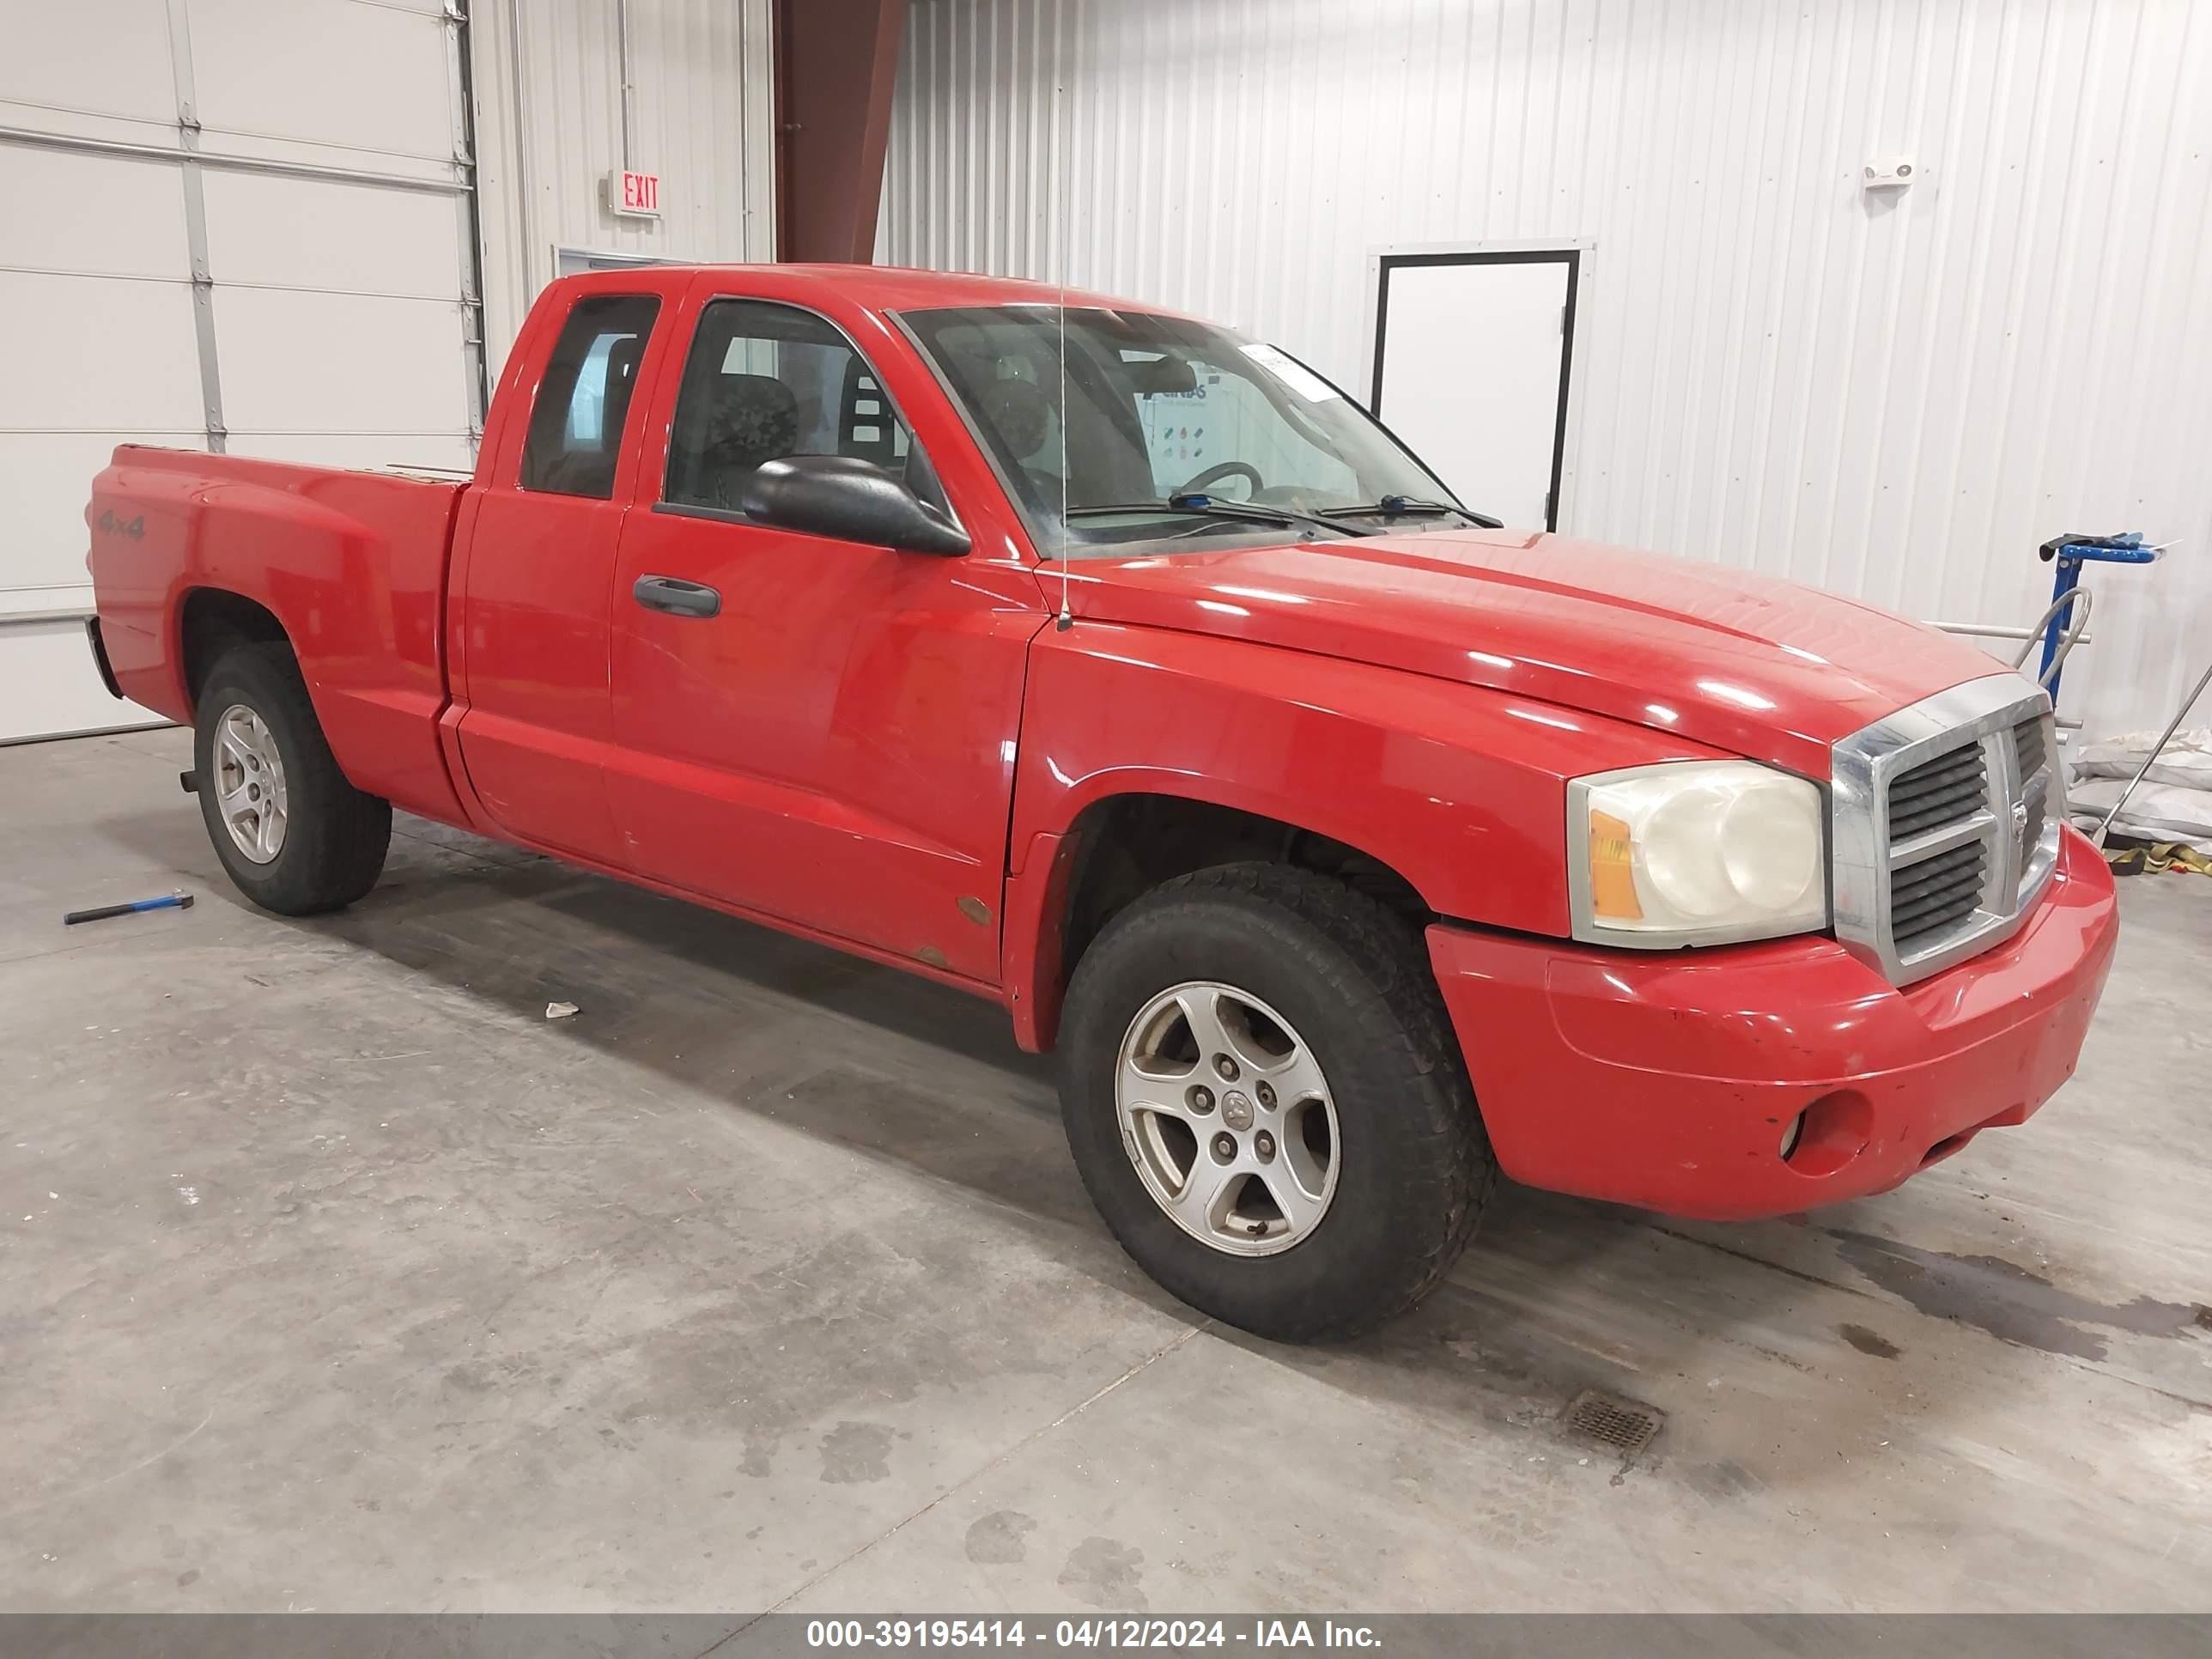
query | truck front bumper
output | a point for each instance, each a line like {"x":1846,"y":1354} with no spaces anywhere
{"x":1676,"y":1082}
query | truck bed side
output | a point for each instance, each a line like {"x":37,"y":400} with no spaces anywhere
{"x":190,"y":551}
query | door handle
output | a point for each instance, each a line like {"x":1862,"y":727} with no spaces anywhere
{"x":677,"y":597}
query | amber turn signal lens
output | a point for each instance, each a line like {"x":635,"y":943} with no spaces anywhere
{"x":1613,"y":873}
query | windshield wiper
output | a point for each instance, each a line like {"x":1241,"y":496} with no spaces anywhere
{"x":1401,"y":506}
{"x":1211,"y":507}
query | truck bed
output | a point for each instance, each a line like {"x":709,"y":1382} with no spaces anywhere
{"x":352,"y":565}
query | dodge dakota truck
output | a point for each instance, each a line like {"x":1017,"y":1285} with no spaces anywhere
{"x":1350,"y":848}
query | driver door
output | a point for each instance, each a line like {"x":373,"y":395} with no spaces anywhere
{"x":811,"y":728}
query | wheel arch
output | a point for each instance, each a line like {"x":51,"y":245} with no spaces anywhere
{"x":214,"y":621}
{"x":1125,"y":843}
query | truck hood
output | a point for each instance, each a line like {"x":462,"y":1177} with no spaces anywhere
{"x":1759,"y":667}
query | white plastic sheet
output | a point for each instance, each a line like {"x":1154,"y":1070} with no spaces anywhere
{"x":2173,"y":803}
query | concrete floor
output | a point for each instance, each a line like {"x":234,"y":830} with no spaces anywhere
{"x":334,"y":1276}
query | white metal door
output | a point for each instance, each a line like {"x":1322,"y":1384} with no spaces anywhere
{"x":1472,"y":357}
{"x":97,"y":341}
{"x":223,"y":224}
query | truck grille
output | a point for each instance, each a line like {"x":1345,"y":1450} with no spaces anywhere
{"x":2030,"y":756}
{"x":1941,"y":829}
{"x":1938,"y":792}
{"x":1936,"y":893}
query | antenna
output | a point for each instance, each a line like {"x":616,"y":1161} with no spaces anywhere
{"x":1067,"y":618}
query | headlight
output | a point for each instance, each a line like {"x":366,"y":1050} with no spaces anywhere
{"x":1695,"y":852}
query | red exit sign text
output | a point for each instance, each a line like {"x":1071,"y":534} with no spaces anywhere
{"x":634,"y":195}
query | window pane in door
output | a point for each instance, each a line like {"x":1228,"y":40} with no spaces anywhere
{"x":765,"y":381}
{"x":583,"y":403}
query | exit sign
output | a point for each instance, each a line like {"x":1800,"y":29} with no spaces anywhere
{"x":634,"y":195}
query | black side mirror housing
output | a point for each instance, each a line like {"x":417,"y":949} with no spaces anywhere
{"x":850,"y":499}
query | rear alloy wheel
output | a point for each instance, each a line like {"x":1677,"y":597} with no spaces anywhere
{"x":249,"y":783}
{"x":1266,"y":1101}
{"x":291,"y":831}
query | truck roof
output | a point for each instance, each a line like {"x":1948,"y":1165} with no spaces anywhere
{"x":899,"y":288}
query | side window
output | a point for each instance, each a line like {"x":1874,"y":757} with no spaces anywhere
{"x":576,"y":424}
{"x":767,"y":380}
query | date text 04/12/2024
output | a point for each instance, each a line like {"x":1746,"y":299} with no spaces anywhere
{"x":1166,"y":1633}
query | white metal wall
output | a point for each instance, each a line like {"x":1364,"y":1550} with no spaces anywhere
{"x":248,"y":223}
{"x":223,"y":224}
{"x":548,"y":78}
{"x":1895,"y":397}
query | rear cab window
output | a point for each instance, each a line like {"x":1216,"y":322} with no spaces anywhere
{"x":583,"y":403}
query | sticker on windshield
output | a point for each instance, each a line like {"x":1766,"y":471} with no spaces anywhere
{"x":1292,"y":373}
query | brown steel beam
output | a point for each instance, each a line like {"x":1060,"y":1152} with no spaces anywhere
{"x":836,"y":62}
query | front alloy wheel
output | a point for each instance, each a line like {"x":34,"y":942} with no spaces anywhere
{"x":1228,"y":1118}
{"x":1265,"y":1101}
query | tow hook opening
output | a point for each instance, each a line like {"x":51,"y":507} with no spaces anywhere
{"x":1828,"y":1133}
{"x":1943,"y":1148}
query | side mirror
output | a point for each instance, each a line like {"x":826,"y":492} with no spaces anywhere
{"x":850,"y":499}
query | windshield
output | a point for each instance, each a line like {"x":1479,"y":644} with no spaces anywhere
{"x":1161,"y":407}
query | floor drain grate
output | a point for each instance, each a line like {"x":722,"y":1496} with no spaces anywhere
{"x":1607,"y":1420}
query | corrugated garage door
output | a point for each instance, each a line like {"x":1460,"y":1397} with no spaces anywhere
{"x":223,"y":224}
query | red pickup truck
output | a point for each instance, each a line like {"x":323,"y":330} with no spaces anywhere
{"x":1350,"y":848}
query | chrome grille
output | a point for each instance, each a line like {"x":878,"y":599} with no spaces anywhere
{"x":2030,"y":751}
{"x":1927,"y":897}
{"x":1942,"y":829}
{"x":1941,"y":791}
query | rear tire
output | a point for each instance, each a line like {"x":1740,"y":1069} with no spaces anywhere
{"x":1310,"y":980}
{"x":293,"y":835}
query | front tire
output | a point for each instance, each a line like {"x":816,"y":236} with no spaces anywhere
{"x":1265,"y":1099}
{"x":293,"y":835}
